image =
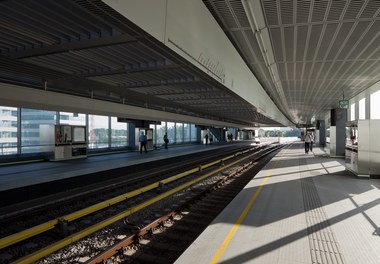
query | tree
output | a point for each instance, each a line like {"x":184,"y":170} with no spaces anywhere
{"x":294,"y":132}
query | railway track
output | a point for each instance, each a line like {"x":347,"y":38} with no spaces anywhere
{"x":135,"y":175}
{"x":66,"y":230}
{"x":166,"y":238}
{"x":53,"y":207}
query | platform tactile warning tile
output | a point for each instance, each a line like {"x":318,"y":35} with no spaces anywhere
{"x":323,"y":245}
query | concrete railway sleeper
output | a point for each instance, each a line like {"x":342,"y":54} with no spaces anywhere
{"x":57,"y":222}
{"x":172,"y":233}
{"x":60,"y":223}
{"x":92,"y":190}
{"x":161,"y":186}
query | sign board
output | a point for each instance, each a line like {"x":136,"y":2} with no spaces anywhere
{"x":343,"y":103}
{"x":138,"y":122}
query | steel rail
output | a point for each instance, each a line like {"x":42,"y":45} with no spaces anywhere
{"x":36,"y":230}
{"x":115,"y":249}
{"x":94,"y":228}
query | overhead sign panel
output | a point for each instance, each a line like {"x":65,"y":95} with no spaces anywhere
{"x":343,"y":103}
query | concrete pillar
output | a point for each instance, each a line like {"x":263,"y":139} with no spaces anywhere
{"x":199,"y":134}
{"x":222,"y":134}
{"x":338,"y":132}
{"x":131,"y":136}
{"x":321,"y":127}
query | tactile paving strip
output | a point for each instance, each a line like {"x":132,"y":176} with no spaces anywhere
{"x":323,"y":245}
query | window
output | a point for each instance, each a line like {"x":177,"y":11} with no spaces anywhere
{"x":375,"y":105}
{"x":8,"y":130}
{"x":72,"y":119}
{"x":160,"y":132}
{"x":362,"y":109}
{"x":193,"y":132}
{"x":119,"y":133}
{"x":170,"y":130}
{"x":103,"y":131}
{"x":31,"y":119}
{"x":179,"y":133}
{"x":352,"y":107}
{"x":98,"y":131}
{"x":186,"y":133}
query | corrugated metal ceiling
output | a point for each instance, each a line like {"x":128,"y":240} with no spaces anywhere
{"x":317,"y":50}
{"x":322,"y":49}
{"x":85,"y":48}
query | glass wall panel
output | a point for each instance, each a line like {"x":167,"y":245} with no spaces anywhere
{"x":179,"y":133}
{"x":193,"y":133}
{"x":153,"y":126}
{"x":72,"y":119}
{"x":31,"y":119}
{"x":171,"y":131}
{"x":352,"y":108}
{"x":375,"y":105}
{"x":362,"y":109}
{"x":98,"y":131}
{"x":8,"y":130}
{"x":186,"y":133}
{"x":160,"y":132}
{"x":119,"y":133}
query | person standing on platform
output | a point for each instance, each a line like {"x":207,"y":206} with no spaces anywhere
{"x":166,"y":140}
{"x":307,"y":142}
{"x":206,"y":139}
{"x":142,"y":140}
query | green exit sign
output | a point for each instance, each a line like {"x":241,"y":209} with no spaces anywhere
{"x":343,"y":103}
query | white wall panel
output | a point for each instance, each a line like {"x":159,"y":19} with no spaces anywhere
{"x":149,"y":15}
{"x":374,"y":146}
{"x":193,"y":33}
{"x":188,"y":28}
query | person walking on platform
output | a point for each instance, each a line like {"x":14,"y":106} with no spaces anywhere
{"x":311,"y":141}
{"x":142,"y":140}
{"x":307,"y":142}
{"x":166,"y":140}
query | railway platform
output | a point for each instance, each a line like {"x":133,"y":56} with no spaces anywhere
{"x":301,"y":208}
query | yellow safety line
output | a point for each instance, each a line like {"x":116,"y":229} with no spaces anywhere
{"x":75,"y":237}
{"x":22,"y":235}
{"x":92,"y":229}
{"x":241,"y":218}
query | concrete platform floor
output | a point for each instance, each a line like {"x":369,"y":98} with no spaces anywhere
{"x":301,"y":208}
